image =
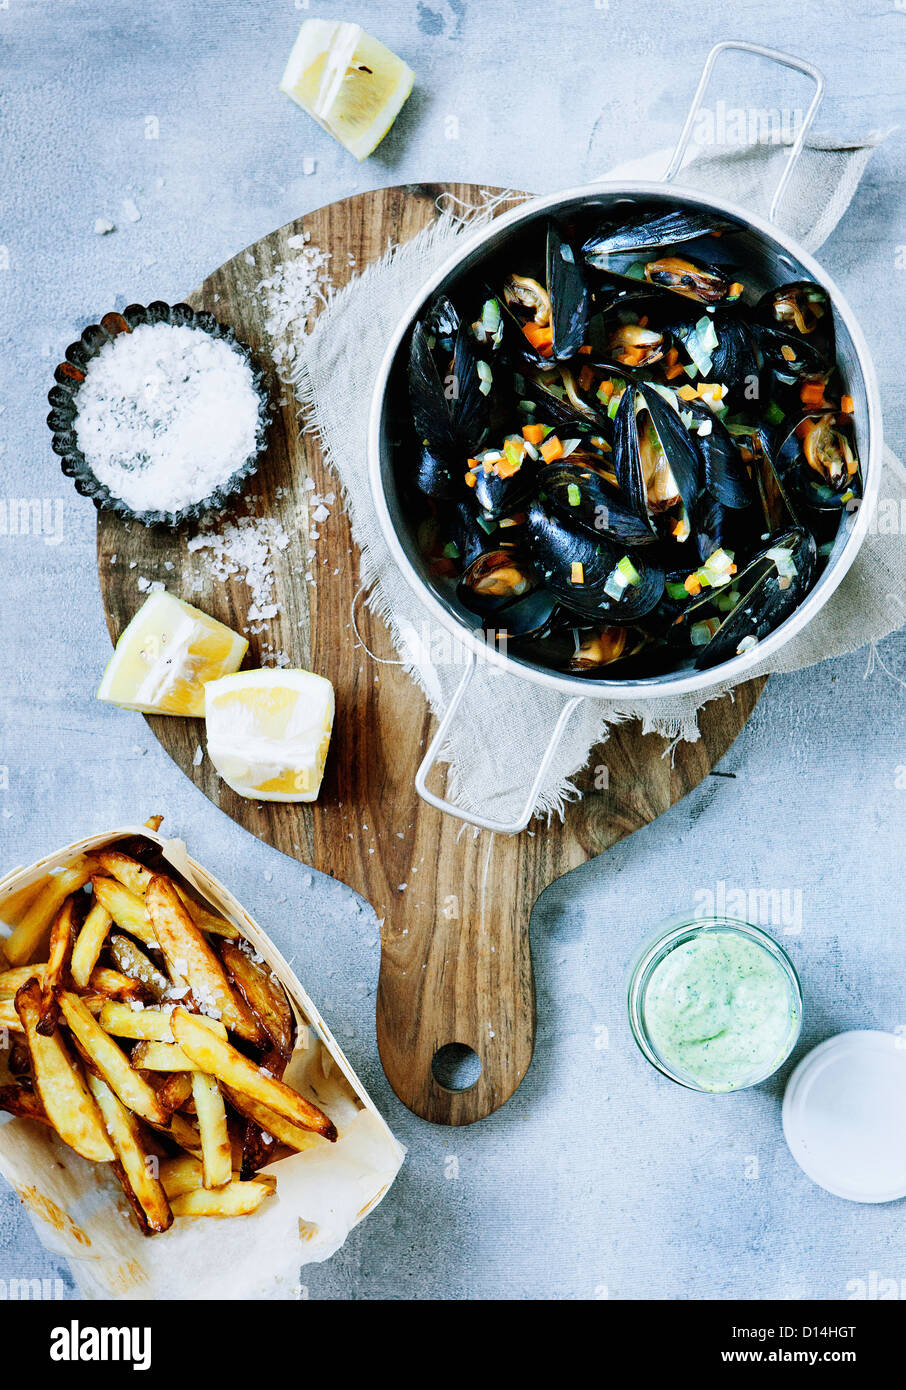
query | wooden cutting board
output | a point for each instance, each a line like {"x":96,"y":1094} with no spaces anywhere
{"x":454,"y":905}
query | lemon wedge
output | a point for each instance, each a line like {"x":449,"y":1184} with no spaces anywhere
{"x":351,"y":83}
{"x":269,"y":731}
{"x":164,"y":657}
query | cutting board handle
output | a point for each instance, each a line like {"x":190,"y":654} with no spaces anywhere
{"x":456,"y":995}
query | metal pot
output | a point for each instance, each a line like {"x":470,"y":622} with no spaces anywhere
{"x":772,"y":256}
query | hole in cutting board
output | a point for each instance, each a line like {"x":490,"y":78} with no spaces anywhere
{"x":456,"y":1067}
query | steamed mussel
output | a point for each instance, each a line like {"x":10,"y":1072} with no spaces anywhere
{"x":633,"y":452}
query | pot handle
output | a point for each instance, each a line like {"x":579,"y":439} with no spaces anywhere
{"x":773,"y":54}
{"x":472,"y":818}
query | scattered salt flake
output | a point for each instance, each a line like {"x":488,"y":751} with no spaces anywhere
{"x":291,"y":296}
{"x":320,"y":513}
{"x":103,"y":226}
{"x":130,"y":210}
{"x":246,"y":548}
{"x":199,"y":756}
{"x":149,"y":586}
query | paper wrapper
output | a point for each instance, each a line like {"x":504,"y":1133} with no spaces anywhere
{"x":78,"y":1209}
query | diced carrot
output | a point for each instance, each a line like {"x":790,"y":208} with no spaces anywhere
{"x":533,"y":434}
{"x":507,"y":467}
{"x":606,"y":388}
{"x":632,"y":356}
{"x":586,"y":378}
{"x":812,"y":392}
{"x":585,"y":350}
{"x":675,"y":369}
{"x":672,"y":356}
{"x":470,"y":480}
{"x":731,"y":570}
{"x":847,"y":405}
{"x":643,"y":321}
{"x":692,"y":584}
{"x":687,"y":393}
{"x":551,"y":449}
{"x":787,"y":353}
{"x":735,"y":290}
{"x":577,"y":572}
{"x":541,"y":338}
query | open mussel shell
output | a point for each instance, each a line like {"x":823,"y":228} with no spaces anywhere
{"x":507,"y":593}
{"x":556,"y":399}
{"x":449,"y":408}
{"x":770,"y":588}
{"x":577,"y":491}
{"x":648,"y":232}
{"x":801,"y":309}
{"x":559,"y":306}
{"x":725,"y":474}
{"x":657,"y":464}
{"x":578,"y":568}
{"x":818,"y":464}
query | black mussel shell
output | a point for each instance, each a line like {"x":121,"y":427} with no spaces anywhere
{"x":449,"y":408}
{"x":569,"y":295}
{"x":725,"y":474}
{"x":436,"y":476}
{"x":577,"y":491}
{"x":556,"y":547}
{"x":734,"y":362}
{"x":814,"y":463}
{"x":789,"y":356}
{"x":768,"y":595}
{"x":801,"y":309}
{"x":648,"y":232}
{"x":460,"y":524}
{"x":676,"y":442}
{"x":502,"y":496}
{"x":675,"y":275}
{"x":507,"y":592}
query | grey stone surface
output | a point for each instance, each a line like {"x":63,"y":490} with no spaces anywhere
{"x":599,"y":1175}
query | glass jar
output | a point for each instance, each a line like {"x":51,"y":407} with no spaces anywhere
{"x":714,"y":1003}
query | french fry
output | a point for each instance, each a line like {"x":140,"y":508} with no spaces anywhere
{"x":190,"y":957}
{"x":89,"y":944}
{"x":161,"y":1056}
{"x":271,"y":1123}
{"x":34,"y":926}
{"x":236,"y":1199}
{"x":183,"y":1174}
{"x":109,"y":1060}
{"x":152,"y":1025}
{"x":185,"y":1135}
{"x":257,"y":1150}
{"x":219,"y":1058}
{"x":126,"y":870}
{"x":154,"y":822}
{"x":262,"y":992}
{"x":9,"y":1019}
{"x":132,"y":960}
{"x":62,"y":938}
{"x":16,"y":1100}
{"x":115,"y":985}
{"x":204,"y":918}
{"x":174,"y":1090}
{"x":212,"y":1126}
{"x":15,"y":904}
{"x":126,"y":909}
{"x":19,"y":975}
{"x":147,"y":1197}
{"x":136,"y":877}
{"x":60,"y":1084}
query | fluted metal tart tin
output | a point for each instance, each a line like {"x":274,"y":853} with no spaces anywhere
{"x":63,"y":398}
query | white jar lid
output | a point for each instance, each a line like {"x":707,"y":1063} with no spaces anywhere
{"x":844,"y":1115}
